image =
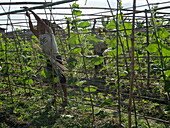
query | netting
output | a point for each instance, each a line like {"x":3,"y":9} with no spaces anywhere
{"x":117,"y":59}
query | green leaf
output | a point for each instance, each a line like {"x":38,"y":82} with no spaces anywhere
{"x":114,"y":86}
{"x":42,"y":73}
{"x":77,"y":12}
{"x":111,"y":25}
{"x":93,"y":39}
{"x":128,"y":27}
{"x":152,"y":48}
{"x":74,"y":5}
{"x":67,"y":116}
{"x":167,"y":73}
{"x":112,"y":43}
{"x":76,"y":20}
{"x":101,"y":95}
{"x":81,"y":82}
{"x":29,"y":81}
{"x":145,"y":101}
{"x":87,"y":98}
{"x":112,"y":52}
{"x":165,"y":51}
{"x":165,"y":34}
{"x":56,"y":80}
{"x":109,"y":52}
{"x":97,"y":60}
{"x":2,"y":47}
{"x":90,"y":89}
{"x":107,"y":102}
{"x":75,"y":51}
{"x":124,"y":73}
{"x":68,"y":18}
{"x":162,"y":33}
{"x":165,"y":46}
{"x":73,"y":39}
{"x":84,"y":24}
{"x":20,"y":79}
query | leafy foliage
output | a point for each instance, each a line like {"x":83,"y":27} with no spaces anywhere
{"x":93,"y":78}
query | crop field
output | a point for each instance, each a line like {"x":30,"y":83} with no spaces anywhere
{"x":117,"y":61}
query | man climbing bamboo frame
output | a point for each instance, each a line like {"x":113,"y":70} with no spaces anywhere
{"x":49,"y":48}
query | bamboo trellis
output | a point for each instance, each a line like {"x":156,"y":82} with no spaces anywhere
{"x":140,"y":78}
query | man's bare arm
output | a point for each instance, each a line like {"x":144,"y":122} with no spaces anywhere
{"x":40,"y":20}
{"x":35,"y":32}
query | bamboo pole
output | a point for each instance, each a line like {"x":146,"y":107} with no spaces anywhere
{"x":132,"y":67}
{"x":19,"y":3}
{"x":38,"y":7}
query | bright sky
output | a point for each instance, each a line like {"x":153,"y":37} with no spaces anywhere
{"x":90,"y":3}
{"x":95,"y":3}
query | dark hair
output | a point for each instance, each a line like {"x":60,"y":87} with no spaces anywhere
{"x":48,"y":23}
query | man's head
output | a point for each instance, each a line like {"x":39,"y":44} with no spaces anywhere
{"x":49,"y":24}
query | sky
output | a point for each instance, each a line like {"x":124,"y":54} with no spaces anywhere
{"x":15,"y":18}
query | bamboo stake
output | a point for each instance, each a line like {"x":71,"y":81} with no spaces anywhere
{"x":132,"y":67}
{"x":148,"y":54}
{"x":19,"y":3}
{"x":37,"y":7}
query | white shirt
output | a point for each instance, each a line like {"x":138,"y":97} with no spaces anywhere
{"x":48,"y":44}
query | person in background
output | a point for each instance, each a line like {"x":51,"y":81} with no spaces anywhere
{"x":48,"y":46}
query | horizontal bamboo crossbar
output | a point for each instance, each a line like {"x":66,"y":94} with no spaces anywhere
{"x":38,"y":7}
{"x":19,"y":3}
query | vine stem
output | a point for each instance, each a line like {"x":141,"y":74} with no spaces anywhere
{"x":132,"y":67}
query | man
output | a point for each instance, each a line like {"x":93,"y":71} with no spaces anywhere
{"x":48,"y":45}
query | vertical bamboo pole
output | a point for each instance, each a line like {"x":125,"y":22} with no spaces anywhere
{"x":132,"y":67}
{"x":148,"y":54}
{"x":117,"y":63}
